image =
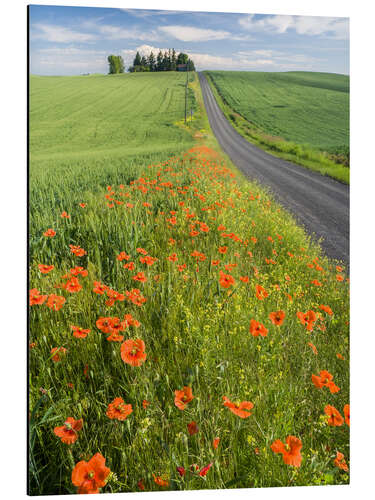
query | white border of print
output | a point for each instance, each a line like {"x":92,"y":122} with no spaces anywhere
{"x":13,"y":236}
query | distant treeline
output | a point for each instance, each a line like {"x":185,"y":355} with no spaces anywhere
{"x":169,"y":61}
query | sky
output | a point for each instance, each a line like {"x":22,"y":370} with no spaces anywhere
{"x":78,"y":40}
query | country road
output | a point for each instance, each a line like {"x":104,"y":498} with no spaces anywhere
{"x":319,"y":203}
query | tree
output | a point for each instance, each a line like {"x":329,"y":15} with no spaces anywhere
{"x":116,"y":64}
{"x":182,"y":58}
{"x":173,"y":60}
{"x":159,"y":61}
{"x":151,"y":61}
{"x":190,"y":65}
{"x":137,"y":60}
{"x":166,"y":62}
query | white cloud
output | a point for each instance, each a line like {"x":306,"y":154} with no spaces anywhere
{"x":68,"y":60}
{"x":192,"y":34}
{"x":60,"y":34}
{"x":117,"y":33}
{"x":332,"y":27}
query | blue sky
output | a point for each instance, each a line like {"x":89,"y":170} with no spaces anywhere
{"x":76,"y":40}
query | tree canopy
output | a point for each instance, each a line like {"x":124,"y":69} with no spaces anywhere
{"x":116,"y":64}
{"x":167,"y":61}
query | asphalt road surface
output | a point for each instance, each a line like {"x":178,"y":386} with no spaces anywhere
{"x":317,"y":202}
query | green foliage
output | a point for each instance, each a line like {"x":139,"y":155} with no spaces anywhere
{"x":116,"y":64}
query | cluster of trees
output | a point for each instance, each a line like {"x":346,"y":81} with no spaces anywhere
{"x":169,"y":61}
{"x":116,"y":64}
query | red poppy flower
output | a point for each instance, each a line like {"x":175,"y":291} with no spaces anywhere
{"x":347,"y":414}
{"x":140,"y":485}
{"x":244,"y":279}
{"x":118,"y":409}
{"x":73,"y":285}
{"x":35,"y":298}
{"x":277,"y":317}
{"x":257,"y":328}
{"x":334,"y":417}
{"x":78,"y":270}
{"x":44,"y":268}
{"x":49,"y":233}
{"x":145,"y":404}
{"x":79,"y":332}
{"x":135,"y":297}
{"x":55,"y":302}
{"x":192,"y":428}
{"x":148,"y":260}
{"x":308,"y":319}
{"x":241,"y":409}
{"x":90,"y":476}
{"x":140,"y":277}
{"x":160,"y":481}
{"x":173,"y":257}
{"x":325,"y":379}
{"x":261,"y":293}
{"x":123,"y":256}
{"x":142,"y":251}
{"x":82,"y":205}
{"x":181,"y":471}
{"x":315,"y":350}
{"x":69,"y":431}
{"x":340,"y":462}
{"x":57,"y":350}
{"x":291,"y":451}
{"x":215,"y":442}
{"x":183,"y":397}
{"x":326,"y":309}
{"x":205,"y":469}
{"x":64,"y":215}
{"x":226,"y":280}
{"x":133,"y":352}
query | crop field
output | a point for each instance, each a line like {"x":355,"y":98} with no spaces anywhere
{"x":307,"y":110}
{"x":184,"y":333}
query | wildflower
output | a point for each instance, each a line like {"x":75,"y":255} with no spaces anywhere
{"x":223,"y":249}
{"x":57,"y":351}
{"x":82,"y":205}
{"x":99,"y":288}
{"x":257,"y":328}
{"x":192,"y":428}
{"x":340,"y":462}
{"x":122,"y":256}
{"x":32,"y":345}
{"x":90,"y":476}
{"x":148,"y":260}
{"x":133,"y":352}
{"x":226,"y":280}
{"x":324,"y":379}
{"x":118,"y":409}
{"x":77,"y":250}
{"x":55,"y":302}
{"x":140,"y":485}
{"x":140,"y":277}
{"x":277,"y":317}
{"x":183,"y":397}
{"x":145,"y":404}
{"x":69,"y":431}
{"x":135,"y":297}
{"x":205,"y":469}
{"x":215,"y":442}
{"x":339,"y":277}
{"x":49,"y":233}
{"x":78,"y":270}
{"x":339,"y":356}
{"x":326,"y":309}
{"x":260,"y":292}
{"x":291,"y":451}
{"x":79,"y":332}
{"x":241,"y":409}
{"x":142,"y":251}
{"x":315,"y":350}
{"x":44,"y":268}
{"x":73,"y":285}
{"x":316,"y":283}
{"x":173,"y":257}
{"x":308,"y":319}
{"x":181,"y":267}
{"x":215,"y":262}
{"x":160,"y":481}
{"x":35,"y":298}
{"x":181,"y":471}
{"x":347,"y":414}
{"x":64,"y":215}
{"x":334,"y":417}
